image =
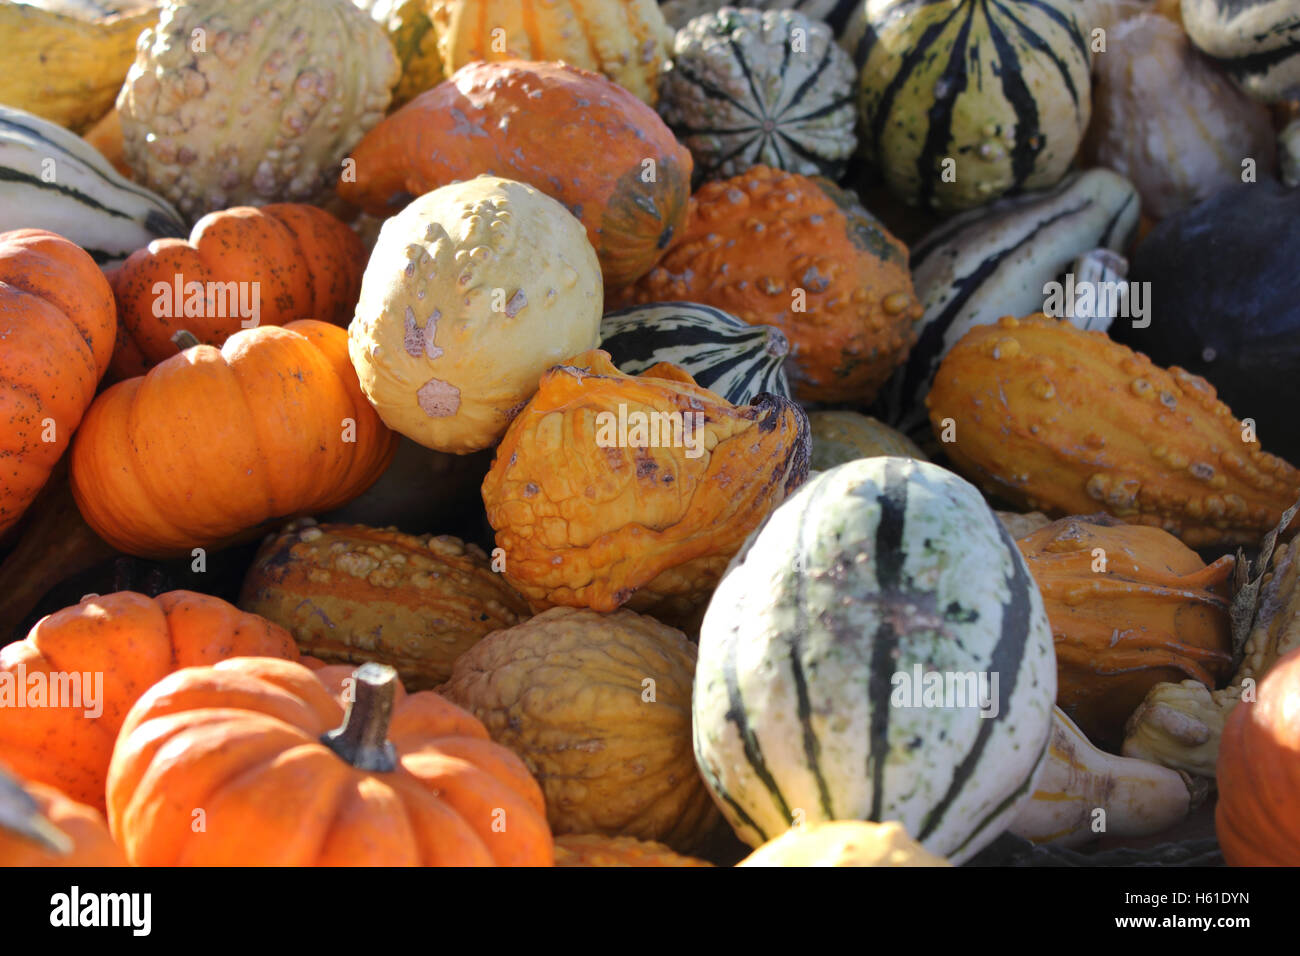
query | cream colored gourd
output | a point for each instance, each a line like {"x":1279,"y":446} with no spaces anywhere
{"x":1078,"y":780}
{"x":472,"y":292}
{"x":844,"y":843}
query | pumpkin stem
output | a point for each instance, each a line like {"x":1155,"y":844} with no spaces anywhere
{"x":185,"y":339}
{"x":363,"y":739}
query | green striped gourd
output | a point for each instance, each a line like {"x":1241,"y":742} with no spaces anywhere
{"x":751,"y":87}
{"x":730,"y":357}
{"x":53,"y":179}
{"x":962,"y":101}
{"x":1255,"y":42}
{"x":877,"y":576}
{"x":996,"y":261}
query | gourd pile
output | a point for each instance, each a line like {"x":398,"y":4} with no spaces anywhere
{"x":604,"y":433}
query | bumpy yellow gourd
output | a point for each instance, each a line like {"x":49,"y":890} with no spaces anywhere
{"x":472,"y":292}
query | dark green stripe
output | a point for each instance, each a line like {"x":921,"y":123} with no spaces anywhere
{"x":1006,"y":660}
{"x":711,"y":91}
{"x":1030,"y":140}
{"x":938,"y":133}
{"x":1041,"y":46}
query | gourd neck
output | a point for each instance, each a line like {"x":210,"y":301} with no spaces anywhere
{"x":362,"y":740}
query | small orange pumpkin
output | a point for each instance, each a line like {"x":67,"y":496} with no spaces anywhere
{"x":40,"y":826}
{"x":838,"y":284}
{"x":290,"y":260}
{"x":286,"y":777}
{"x":121,"y":644}
{"x":1258,"y":816}
{"x":56,"y":336}
{"x":212,"y":443}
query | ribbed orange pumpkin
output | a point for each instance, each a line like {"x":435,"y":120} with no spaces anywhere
{"x":72,"y":834}
{"x":285,"y":779}
{"x":1257,"y":817}
{"x":130,"y":642}
{"x":1130,"y":606}
{"x":582,"y":140}
{"x":778,"y":248}
{"x":212,"y":443}
{"x":56,"y":336}
{"x":299,"y":261}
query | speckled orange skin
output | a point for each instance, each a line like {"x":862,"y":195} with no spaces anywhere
{"x":307,"y":263}
{"x":590,"y":526}
{"x":92,"y":844}
{"x":590,"y":849}
{"x":1152,"y":612}
{"x":1068,"y":422}
{"x":134,"y":641}
{"x":567,"y":692}
{"x":574,"y":135}
{"x":242,"y":740}
{"x":627,"y":40}
{"x":353,"y":594}
{"x":212,"y":443}
{"x":56,"y":335}
{"x":751,"y":241}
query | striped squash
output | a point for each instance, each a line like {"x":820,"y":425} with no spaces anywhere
{"x":962,"y":101}
{"x":748,"y":87}
{"x":729,"y":357}
{"x":52,"y":179}
{"x":987,"y":263}
{"x":1256,"y":42}
{"x":877,"y":576}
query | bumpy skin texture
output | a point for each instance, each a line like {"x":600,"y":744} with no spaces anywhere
{"x":1181,"y":725}
{"x":844,"y":843}
{"x":588,"y":520}
{"x":1169,"y":121}
{"x":471,"y":293}
{"x":566,"y":691}
{"x":841,"y":436}
{"x":1065,"y":422}
{"x":747,"y":87}
{"x":243,"y":740}
{"x":839,"y":290}
{"x":592,"y":849}
{"x":572,"y":134}
{"x":307,"y":265}
{"x":265,"y":112}
{"x":213,"y":442}
{"x":134,"y":641}
{"x":56,"y":326}
{"x":626,"y":40}
{"x":1146,"y":610}
{"x":92,"y":844}
{"x":353,"y":594}
{"x":1259,"y":774}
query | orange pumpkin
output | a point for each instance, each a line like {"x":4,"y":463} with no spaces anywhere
{"x":1259,"y":773}
{"x":278,"y":263}
{"x":127,"y":641}
{"x":778,"y":248}
{"x":56,"y":336}
{"x":39,"y":826}
{"x":1130,"y":606}
{"x":582,"y":140}
{"x":212,"y":443}
{"x":284,"y":777}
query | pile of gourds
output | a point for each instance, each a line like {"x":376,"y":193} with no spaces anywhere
{"x":598,"y":433}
